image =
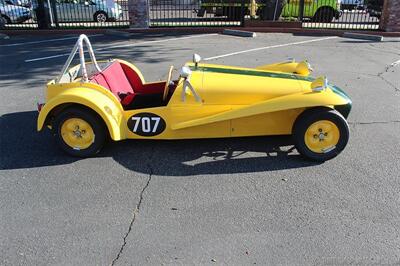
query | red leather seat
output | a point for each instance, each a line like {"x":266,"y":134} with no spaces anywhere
{"x":114,"y":79}
{"x":125,"y":83}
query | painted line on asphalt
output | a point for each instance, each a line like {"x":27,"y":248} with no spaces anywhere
{"x":98,"y":50}
{"x":394,"y":64}
{"x":270,"y":47}
{"x":43,"y":41}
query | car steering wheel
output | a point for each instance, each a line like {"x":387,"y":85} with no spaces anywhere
{"x":166,"y":88}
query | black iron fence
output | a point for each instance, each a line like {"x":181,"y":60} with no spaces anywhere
{"x":336,"y":14}
{"x":196,"y":13}
{"x":332,"y":14}
{"x":63,"y":13}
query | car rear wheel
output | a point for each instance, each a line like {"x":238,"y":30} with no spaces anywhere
{"x":324,"y":15}
{"x":100,"y":16}
{"x":320,"y":134}
{"x":7,"y":19}
{"x":234,"y":13}
{"x":79,"y":132}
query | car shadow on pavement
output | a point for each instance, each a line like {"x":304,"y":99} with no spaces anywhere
{"x":207,"y":156}
{"x":23,"y":147}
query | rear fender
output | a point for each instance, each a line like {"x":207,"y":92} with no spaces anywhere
{"x":103,"y":103}
{"x":325,"y":98}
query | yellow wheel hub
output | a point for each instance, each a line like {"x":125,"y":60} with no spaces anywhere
{"x":322,"y":136}
{"x":77,"y":133}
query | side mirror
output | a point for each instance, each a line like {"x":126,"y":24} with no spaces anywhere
{"x":196,"y":59}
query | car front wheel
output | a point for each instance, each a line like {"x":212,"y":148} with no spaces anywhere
{"x":320,"y":134}
{"x":324,"y":15}
{"x":100,"y":16}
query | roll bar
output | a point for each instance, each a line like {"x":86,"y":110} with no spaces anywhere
{"x":79,"y":45}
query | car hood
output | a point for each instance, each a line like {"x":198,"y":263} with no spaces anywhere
{"x":218,"y":84}
{"x":228,"y":85}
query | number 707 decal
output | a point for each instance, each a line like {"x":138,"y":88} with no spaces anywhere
{"x":146,"y":124}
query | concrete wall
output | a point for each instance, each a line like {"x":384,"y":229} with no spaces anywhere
{"x":391,"y":16}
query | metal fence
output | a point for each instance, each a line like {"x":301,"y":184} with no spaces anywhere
{"x":330,"y":14}
{"x":344,"y":14}
{"x":195,"y":13}
{"x":25,"y":14}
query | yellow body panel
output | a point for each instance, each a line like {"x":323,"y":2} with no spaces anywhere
{"x":252,"y":103}
{"x":90,"y":95}
{"x":292,"y":101}
{"x":274,"y":123}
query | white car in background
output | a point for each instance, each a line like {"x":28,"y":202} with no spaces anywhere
{"x":87,"y":10}
{"x":13,"y":13}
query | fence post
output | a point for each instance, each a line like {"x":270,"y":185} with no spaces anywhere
{"x":138,"y":11}
{"x":242,"y":14}
{"x":54,"y":12}
{"x":301,"y":10}
{"x":390,"y":18}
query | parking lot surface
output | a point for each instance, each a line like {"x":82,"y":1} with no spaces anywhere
{"x":238,"y":201}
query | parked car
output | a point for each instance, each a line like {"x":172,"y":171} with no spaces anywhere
{"x":87,"y":10}
{"x":352,"y":4}
{"x":90,"y":102}
{"x":315,"y":10}
{"x":24,"y":3}
{"x":13,"y":13}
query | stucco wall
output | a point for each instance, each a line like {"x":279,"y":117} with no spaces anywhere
{"x":391,"y":16}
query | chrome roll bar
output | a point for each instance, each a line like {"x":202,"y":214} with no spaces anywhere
{"x":79,"y":45}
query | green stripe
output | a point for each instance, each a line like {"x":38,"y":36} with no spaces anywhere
{"x":222,"y":5}
{"x":249,"y":72}
{"x":340,"y":92}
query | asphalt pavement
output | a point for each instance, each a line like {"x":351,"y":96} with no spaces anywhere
{"x":238,"y":201}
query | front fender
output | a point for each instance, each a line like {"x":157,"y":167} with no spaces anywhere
{"x":106,"y":107}
{"x":327,"y":98}
{"x":301,"y":68}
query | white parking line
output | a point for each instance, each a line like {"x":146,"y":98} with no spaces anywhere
{"x":394,"y":64}
{"x":98,"y":50}
{"x":43,"y":41}
{"x":269,"y":47}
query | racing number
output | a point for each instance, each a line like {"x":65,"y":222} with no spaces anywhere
{"x":146,"y":124}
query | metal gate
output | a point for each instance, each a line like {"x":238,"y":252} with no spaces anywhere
{"x":339,"y":14}
{"x":25,"y":14}
{"x":328,"y":14}
{"x":196,"y":13}
{"x":324,"y":14}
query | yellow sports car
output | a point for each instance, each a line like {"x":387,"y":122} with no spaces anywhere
{"x":93,"y":101}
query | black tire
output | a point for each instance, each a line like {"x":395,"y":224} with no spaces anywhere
{"x":3,"y":22}
{"x":324,"y":15}
{"x":309,"y":117}
{"x":201,"y":12}
{"x":100,"y":16}
{"x":92,"y":119}
{"x":234,"y":13}
{"x":7,"y":19}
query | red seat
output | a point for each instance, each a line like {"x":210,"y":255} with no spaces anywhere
{"x":125,"y":83}
{"x":114,"y":79}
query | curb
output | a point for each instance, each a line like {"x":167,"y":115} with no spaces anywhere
{"x":194,"y":30}
{"x":239,"y":33}
{"x":369,"y":37}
